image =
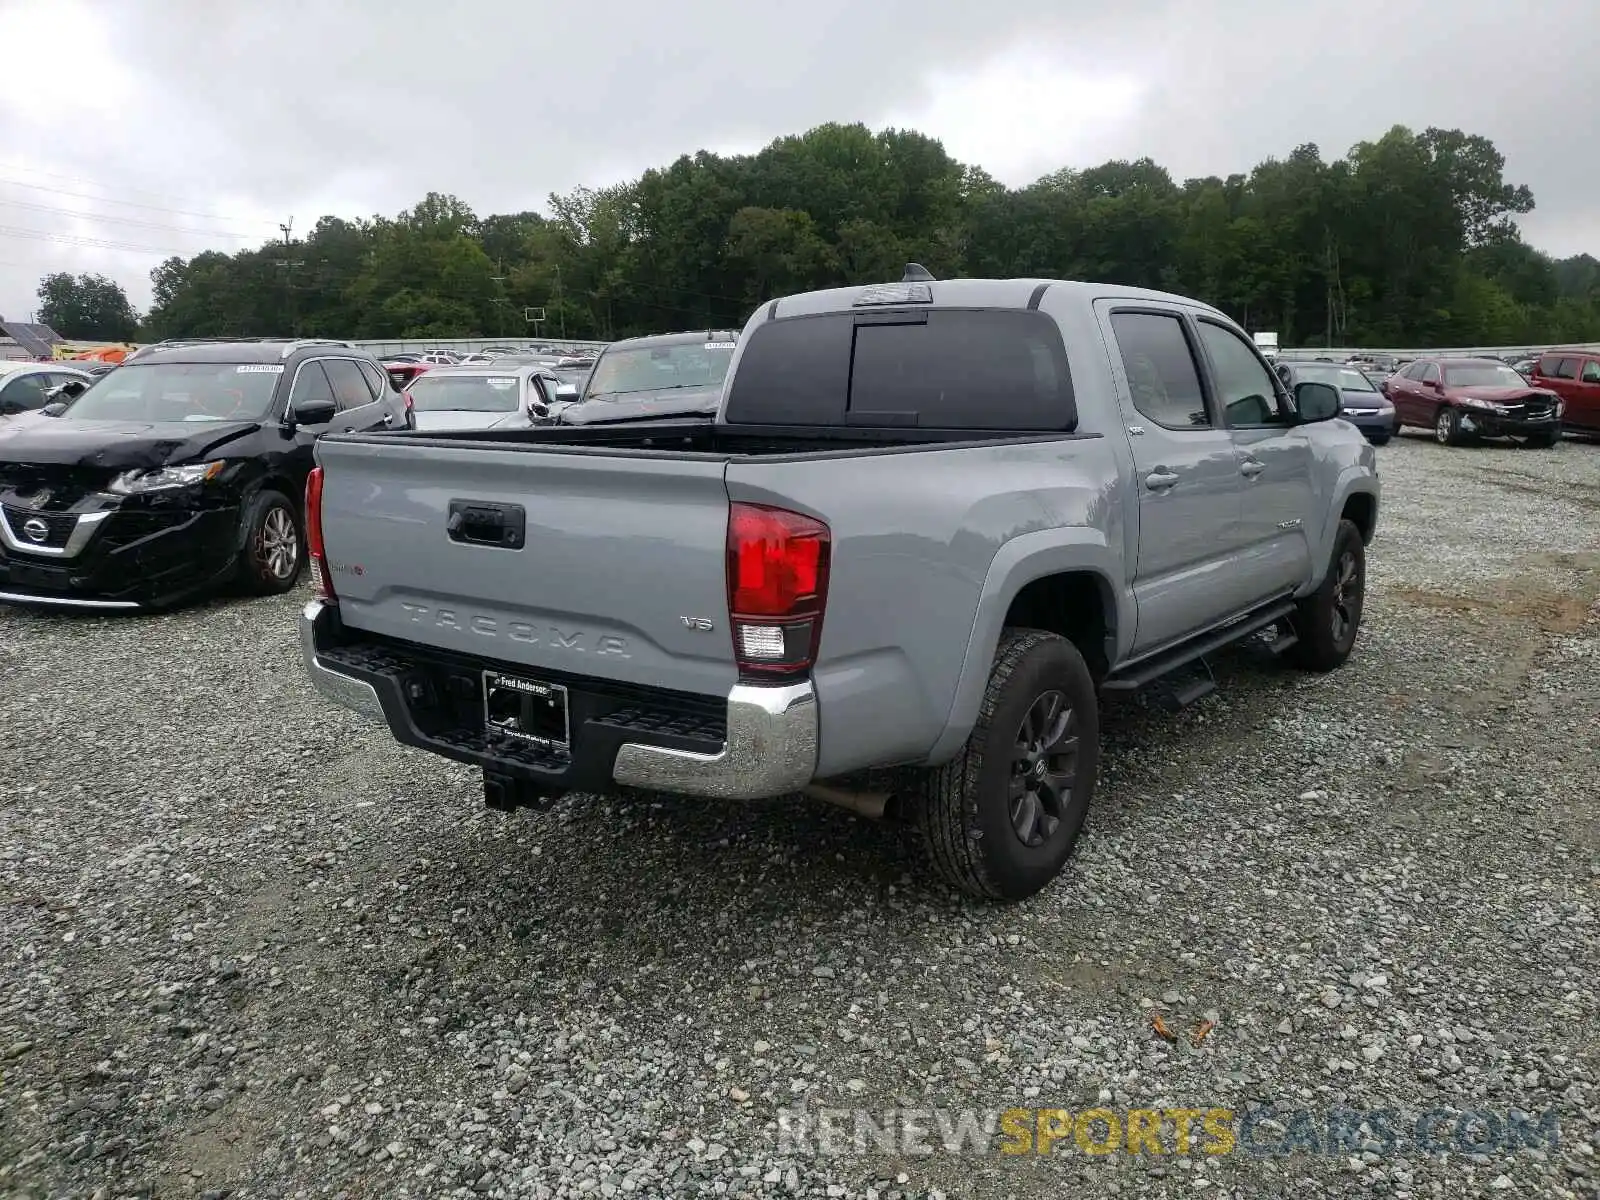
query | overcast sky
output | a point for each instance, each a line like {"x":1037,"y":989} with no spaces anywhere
{"x":134,"y":129}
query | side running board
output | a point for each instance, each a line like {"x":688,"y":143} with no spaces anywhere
{"x":1137,"y":675}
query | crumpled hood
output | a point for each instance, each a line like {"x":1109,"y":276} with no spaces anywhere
{"x":452,"y":418}
{"x":1501,"y":395}
{"x":116,"y":445}
{"x":677,"y":402}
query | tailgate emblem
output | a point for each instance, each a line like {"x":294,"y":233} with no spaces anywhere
{"x":699,"y":624}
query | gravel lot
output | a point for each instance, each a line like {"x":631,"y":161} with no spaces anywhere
{"x":250,"y":947}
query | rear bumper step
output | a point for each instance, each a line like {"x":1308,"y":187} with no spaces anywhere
{"x":760,"y":742}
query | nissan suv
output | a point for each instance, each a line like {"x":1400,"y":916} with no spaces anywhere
{"x":181,"y":471}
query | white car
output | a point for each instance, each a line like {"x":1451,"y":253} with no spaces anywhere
{"x":26,"y":386}
{"x":484,"y":397}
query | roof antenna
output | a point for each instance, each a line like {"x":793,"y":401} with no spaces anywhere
{"x":917,"y":273}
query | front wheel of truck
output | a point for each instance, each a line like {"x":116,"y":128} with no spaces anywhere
{"x":1001,"y":818}
{"x":1326,"y":621}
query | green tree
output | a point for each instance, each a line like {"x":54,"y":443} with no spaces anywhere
{"x":1409,"y":239}
{"x":88,"y":307}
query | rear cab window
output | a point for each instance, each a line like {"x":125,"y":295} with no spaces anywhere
{"x":941,"y":368}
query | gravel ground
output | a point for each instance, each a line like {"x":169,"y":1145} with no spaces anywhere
{"x":250,"y":947}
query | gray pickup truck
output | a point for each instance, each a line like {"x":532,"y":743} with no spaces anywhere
{"x":932,"y":523}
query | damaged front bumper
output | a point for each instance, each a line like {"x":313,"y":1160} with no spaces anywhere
{"x":1510,"y":421}
{"x":119,"y":556}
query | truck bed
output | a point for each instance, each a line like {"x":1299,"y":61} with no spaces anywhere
{"x":705,"y":439}
{"x":616,"y":572}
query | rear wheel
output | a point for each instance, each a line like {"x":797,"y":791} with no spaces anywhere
{"x":1001,"y":819}
{"x":272,"y":548}
{"x":1447,"y":426}
{"x":1327,"y":621}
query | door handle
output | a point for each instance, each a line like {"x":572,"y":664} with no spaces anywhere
{"x":1251,"y":468}
{"x":1160,"y":479}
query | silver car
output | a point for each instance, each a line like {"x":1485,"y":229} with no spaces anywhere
{"x":484,"y":397}
{"x":26,"y":386}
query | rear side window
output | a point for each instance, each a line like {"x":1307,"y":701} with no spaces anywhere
{"x":379,"y":382}
{"x":1591,"y":372}
{"x":1163,"y":380}
{"x":350,"y":387}
{"x":999,"y":369}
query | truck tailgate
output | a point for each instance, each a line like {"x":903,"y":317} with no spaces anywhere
{"x":620,"y":567}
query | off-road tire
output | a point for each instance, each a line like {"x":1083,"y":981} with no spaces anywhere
{"x":963,"y":808}
{"x":1320,"y":647}
{"x":262,"y":513}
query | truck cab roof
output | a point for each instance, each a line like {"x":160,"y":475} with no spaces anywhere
{"x":960,"y":293}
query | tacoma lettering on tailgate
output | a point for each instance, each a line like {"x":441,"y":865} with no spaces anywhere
{"x":575,"y":640}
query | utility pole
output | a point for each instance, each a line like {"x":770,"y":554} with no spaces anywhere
{"x":561,"y":308}
{"x":288,"y":266}
{"x":502,"y":299}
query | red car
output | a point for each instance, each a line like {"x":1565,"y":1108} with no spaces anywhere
{"x":404,"y":372}
{"x":1463,"y":398}
{"x":1574,"y":375}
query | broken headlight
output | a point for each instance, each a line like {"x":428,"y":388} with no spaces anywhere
{"x":162,"y":479}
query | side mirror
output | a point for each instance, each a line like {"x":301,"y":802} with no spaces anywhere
{"x":567,"y":391}
{"x":1317,"y":402}
{"x":314,"y":412}
{"x":54,"y":409}
{"x":70,"y":390}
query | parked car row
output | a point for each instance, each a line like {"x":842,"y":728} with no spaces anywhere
{"x":691,"y":598}
{"x":1459,"y":399}
{"x":184,"y":468}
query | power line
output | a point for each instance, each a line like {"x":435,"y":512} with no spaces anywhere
{"x":87,"y":243}
{"x":181,"y":212}
{"x":26,"y":169}
{"x":133,"y":221}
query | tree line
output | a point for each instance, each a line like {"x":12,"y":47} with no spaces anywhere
{"x":1408,"y":240}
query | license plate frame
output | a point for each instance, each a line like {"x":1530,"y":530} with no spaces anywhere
{"x":542,"y":716}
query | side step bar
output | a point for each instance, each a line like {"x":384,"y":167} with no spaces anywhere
{"x":1147,"y":671}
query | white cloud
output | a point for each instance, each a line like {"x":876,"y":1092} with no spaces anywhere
{"x":250,"y":113}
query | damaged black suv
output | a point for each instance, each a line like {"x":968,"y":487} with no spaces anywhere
{"x":181,"y":471}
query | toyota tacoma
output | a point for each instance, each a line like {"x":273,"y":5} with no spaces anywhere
{"x":931,"y":524}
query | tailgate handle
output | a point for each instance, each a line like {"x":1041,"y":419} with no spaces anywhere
{"x":483,"y":523}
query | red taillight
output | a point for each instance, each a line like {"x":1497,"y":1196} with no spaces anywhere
{"x":319,"y":559}
{"x":777,"y":588}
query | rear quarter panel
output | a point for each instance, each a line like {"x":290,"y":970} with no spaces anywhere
{"x":916,"y":536}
